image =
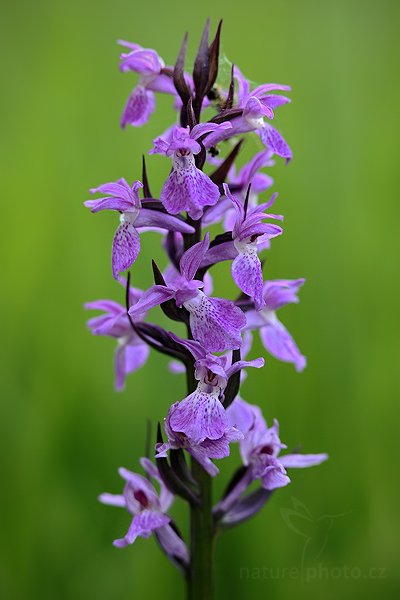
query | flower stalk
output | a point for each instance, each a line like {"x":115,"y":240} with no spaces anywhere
{"x":203,"y":188}
{"x":200,"y":580}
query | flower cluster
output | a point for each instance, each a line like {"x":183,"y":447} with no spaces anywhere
{"x":203,"y":189}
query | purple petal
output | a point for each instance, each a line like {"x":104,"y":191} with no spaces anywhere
{"x":200,"y":454}
{"x":107,"y":305}
{"x":204,"y":128}
{"x":274,"y":475}
{"x":278,"y":341}
{"x":279,"y":292}
{"x":241,"y":414}
{"x":151,"y":298}
{"x":216,"y":323}
{"x":219,"y":253}
{"x":242,"y":84}
{"x":143,"y":525}
{"x":155,"y":218}
{"x":254,"y":320}
{"x":220,"y":448}
{"x":250,"y":229}
{"x":126,"y":247}
{"x":112,"y":500}
{"x":300,"y":461}
{"x":274,"y":100}
{"x":270,"y":87}
{"x":233,"y":496}
{"x":129,"y":45}
{"x":141,"y":60}
{"x":140,"y":106}
{"x":129,"y":359}
{"x":189,"y":189}
{"x":192,"y":258}
{"x":256,"y":363}
{"x":214,"y":449}
{"x":246,"y":507}
{"x":108,"y":204}
{"x":215,"y":213}
{"x":247,"y":274}
{"x":199,"y":416}
{"x":172,"y":544}
{"x":162,"y":84}
{"x":194,"y":347}
{"x":120,"y":189}
{"x":166,"y":497}
{"x":248,"y":172}
{"x":275,"y":142}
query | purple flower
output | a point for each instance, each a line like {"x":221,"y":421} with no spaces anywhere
{"x":202,"y":451}
{"x":119,"y":196}
{"x":201,"y":415}
{"x":248,"y":232}
{"x":261,"y":446}
{"x":153,"y":77}
{"x":256,"y":105}
{"x":131,"y":352}
{"x":275,"y":337}
{"x":149,"y":509}
{"x":187,"y":188}
{"x":215,"y":322}
{"x":248,"y":174}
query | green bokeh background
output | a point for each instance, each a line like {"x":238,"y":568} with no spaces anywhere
{"x":64,"y":431}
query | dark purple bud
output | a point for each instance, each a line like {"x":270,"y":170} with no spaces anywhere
{"x":171,"y":479}
{"x":191,"y":118}
{"x":179,"y":465}
{"x":202,"y":64}
{"x":232,"y":389}
{"x":214,"y":59}
{"x":146,"y":188}
{"x":231,"y":92}
{"x":227,"y":115}
{"x":160,"y":340}
{"x":179,"y":80}
{"x":219,"y":175}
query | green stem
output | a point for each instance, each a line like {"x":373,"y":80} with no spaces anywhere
{"x":200,"y":578}
{"x":200,"y":575}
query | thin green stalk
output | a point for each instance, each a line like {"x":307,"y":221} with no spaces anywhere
{"x":200,"y":574}
{"x":200,"y":578}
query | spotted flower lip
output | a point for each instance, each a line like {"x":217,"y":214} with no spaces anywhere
{"x":148,"y":509}
{"x":120,"y":196}
{"x":215,"y":322}
{"x":187,"y":187}
{"x":203,"y":451}
{"x":274,"y":335}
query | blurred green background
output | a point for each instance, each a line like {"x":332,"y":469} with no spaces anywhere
{"x":64,"y":431}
